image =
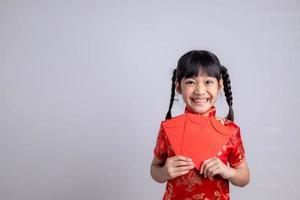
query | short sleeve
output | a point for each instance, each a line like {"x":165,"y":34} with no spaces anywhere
{"x":160,"y":150}
{"x":237,"y":155}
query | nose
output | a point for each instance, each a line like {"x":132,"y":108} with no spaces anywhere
{"x":199,"y":89}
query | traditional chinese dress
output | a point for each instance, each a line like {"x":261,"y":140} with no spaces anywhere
{"x":193,"y":185}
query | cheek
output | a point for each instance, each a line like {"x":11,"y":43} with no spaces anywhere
{"x":188,"y":91}
{"x":214,"y":93}
{"x":185,"y":95}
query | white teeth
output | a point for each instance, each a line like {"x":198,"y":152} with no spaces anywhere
{"x":200,"y":100}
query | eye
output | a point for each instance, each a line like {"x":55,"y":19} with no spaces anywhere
{"x":209,"y":82}
{"x":190,"y":82}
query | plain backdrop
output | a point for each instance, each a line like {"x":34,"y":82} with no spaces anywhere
{"x":84,"y":86}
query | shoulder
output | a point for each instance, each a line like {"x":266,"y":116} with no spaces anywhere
{"x":235,"y":138}
{"x":228,"y":124}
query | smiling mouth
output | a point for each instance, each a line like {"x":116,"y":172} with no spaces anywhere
{"x":200,"y":101}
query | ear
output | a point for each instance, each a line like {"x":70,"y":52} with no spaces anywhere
{"x":221,"y":86}
{"x":178,"y":87}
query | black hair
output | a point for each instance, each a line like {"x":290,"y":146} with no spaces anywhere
{"x":198,"y":62}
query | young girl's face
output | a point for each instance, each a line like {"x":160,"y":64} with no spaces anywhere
{"x":199,"y":93}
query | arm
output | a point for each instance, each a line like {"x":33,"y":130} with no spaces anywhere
{"x":157,"y":171}
{"x":241,"y":175}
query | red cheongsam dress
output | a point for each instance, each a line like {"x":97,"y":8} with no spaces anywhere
{"x":193,"y":185}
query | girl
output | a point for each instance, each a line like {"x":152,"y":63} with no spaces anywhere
{"x":199,"y":78}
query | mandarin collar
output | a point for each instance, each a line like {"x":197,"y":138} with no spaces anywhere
{"x":210,"y":113}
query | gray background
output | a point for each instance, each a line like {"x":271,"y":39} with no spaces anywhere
{"x":85,"y":84}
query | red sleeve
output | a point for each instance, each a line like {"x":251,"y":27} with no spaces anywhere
{"x":160,"y":150}
{"x":237,"y":155}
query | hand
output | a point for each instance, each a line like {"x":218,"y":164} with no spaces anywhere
{"x":214,"y":166}
{"x":177,"y":166}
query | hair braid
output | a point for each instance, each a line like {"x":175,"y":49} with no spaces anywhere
{"x":228,"y":92}
{"x":169,"y":115}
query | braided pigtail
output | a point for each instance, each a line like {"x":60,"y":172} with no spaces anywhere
{"x":169,"y":115}
{"x":228,"y":92}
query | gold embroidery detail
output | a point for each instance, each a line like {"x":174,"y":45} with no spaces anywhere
{"x":199,"y":196}
{"x":222,"y":120}
{"x":189,"y":180}
{"x":217,"y":195}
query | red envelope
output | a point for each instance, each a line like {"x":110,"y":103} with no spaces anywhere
{"x":196,"y":136}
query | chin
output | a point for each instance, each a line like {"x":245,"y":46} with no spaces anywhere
{"x":200,"y":111}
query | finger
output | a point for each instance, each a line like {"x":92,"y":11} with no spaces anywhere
{"x":181,"y":173}
{"x":208,"y":166}
{"x":183,"y":163}
{"x":215,"y":172}
{"x":173,"y":172}
{"x":203,"y":165}
{"x":218,"y":165}
{"x":212,"y":171}
{"x":183,"y":158}
{"x":175,"y":159}
{"x":209,"y":169}
{"x":201,"y":168}
{"x":178,"y":169}
{"x":207,"y":163}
